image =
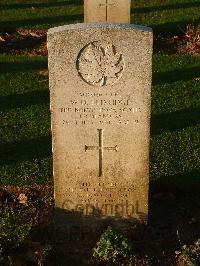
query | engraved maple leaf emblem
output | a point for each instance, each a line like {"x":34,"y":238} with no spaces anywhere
{"x":100,"y":65}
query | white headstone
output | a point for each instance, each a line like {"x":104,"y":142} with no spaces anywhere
{"x":115,"y":11}
{"x":100,"y":84}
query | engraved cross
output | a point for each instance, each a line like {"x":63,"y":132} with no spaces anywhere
{"x":100,"y":148}
{"x":107,"y":5}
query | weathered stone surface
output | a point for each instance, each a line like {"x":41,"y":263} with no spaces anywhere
{"x":115,"y":11}
{"x":100,"y":85}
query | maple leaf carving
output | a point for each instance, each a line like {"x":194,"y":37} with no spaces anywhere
{"x":100,"y":65}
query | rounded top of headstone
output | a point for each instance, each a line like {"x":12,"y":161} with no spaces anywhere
{"x":100,"y":25}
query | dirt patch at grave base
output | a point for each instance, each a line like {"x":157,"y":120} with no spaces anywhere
{"x":26,"y":212}
{"x":187,"y":43}
{"x":175,"y":44}
{"x":174,"y":221}
{"x":34,"y":42}
{"x":24,"y":42}
{"x":166,"y":44}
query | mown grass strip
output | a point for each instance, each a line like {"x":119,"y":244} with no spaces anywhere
{"x":25,"y":137}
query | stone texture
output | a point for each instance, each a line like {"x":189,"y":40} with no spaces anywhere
{"x":100,"y":86}
{"x":115,"y":11}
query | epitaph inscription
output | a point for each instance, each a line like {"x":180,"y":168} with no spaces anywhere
{"x":102,"y":108}
{"x":100,"y":64}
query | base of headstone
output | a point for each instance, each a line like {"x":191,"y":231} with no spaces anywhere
{"x":74,"y":226}
{"x":75,"y":236}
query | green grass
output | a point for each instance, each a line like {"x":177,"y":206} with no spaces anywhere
{"x":168,"y":15}
{"x":25,"y":150}
{"x":175,"y":156}
{"x":25,"y":137}
{"x":39,"y":14}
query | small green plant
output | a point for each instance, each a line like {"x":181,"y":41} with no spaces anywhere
{"x":4,"y":259}
{"x":113,"y":246}
{"x":45,"y":253}
{"x":14,"y":229}
{"x":190,"y":256}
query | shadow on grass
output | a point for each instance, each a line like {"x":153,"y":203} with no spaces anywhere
{"x":26,"y":99}
{"x":182,"y":182}
{"x":148,"y":9}
{"x":75,"y":234}
{"x":173,"y":218}
{"x":14,"y":24}
{"x":22,"y":66}
{"x":177,"y":27}
{"x":25,"y":150}
{"x":176,"y":75}
{"x":28,"y":42}
{"x":41,"y":5}
{"x":175,"y":120}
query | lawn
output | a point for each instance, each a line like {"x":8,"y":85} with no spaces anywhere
{"x":175,"y":157}
{"x":25,"y":121}
{"x":162,"y":16}
{"x":25,"y":130}
{"x":166,"y":16}
{"x":25,"y":117}
{"x":25,"y":126}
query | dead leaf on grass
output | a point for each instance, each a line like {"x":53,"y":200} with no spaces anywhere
{"x":23,"y":32}
{"x":2,"y":39}
{"x":177,"y":252}
{"x":44,"y":80}
{"x":23,"y":199}
{"x":44,"y":72}
{"x":34,"y":34}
